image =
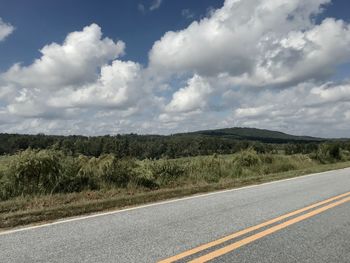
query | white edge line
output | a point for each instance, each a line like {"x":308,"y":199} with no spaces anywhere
{"x":158,"y":203}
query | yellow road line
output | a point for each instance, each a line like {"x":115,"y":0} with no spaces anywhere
{"x":247,"y":230}
{"x":266,"y":232}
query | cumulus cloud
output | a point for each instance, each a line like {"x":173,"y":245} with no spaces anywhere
{"x":255,"y":63}
{"x":257,"y":43}
{"x":331,"y":93}
{"x":70,"y":76}
{"x":303,"y":109}
{"x":118,"y":86}
{"x":75,"y":62}
{"x":192,"y":97}
{"x":5,"y":29}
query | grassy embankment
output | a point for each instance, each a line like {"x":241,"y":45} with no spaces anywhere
{"x":37,"y":186}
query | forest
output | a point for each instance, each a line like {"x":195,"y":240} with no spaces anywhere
{"x":223,"y":141}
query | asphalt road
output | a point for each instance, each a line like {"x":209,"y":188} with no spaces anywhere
{"x":163,"y":230}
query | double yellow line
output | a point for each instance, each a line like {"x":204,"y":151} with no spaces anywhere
{"x":321,"y":207}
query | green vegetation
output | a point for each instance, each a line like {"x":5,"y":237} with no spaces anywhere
{"x":42,"y":172}
{"x":45,"y":184}
{"x":224,"y":141}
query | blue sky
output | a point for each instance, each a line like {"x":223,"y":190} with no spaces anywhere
{"x":39,"y":22}
{"x":151,"y":66}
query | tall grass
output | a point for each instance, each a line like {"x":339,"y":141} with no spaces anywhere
{"x":45,"y":172}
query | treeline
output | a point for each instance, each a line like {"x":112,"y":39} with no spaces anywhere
{"x":154,"y":146}
{"x":332,"y":149}
{"x":131,"y":145}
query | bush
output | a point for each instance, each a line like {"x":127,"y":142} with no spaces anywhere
{"x":73,"y":179}
{"x":327,"y":153}
{"x":247,"y":158}
{"x":334,"y":151}
{"x":165,"y":171}
{"x":117,"y":172}
{"x":212,"y":168}
{"x":34,"y":172}
{"x":143,"y":176}
{"x":6,"y":188}
{"x":267,"y":158}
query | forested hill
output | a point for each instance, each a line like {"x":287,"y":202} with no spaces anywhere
{"x":223,"y":141}
{"x":256,"y":135}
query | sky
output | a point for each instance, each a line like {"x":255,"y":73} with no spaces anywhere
{"x":160,"y":66}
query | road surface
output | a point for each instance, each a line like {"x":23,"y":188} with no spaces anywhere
{"x":306,"y":219}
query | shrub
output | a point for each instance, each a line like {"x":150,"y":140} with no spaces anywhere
{"x":74,"y":178}
{"x":334,"y":151}
{"x":236,"y":171}
{"x":117,"y":172}
{"x":166,"y":171}
{"x":34,"y":171}
{"x":247,"y":158}
{"x":328,"y":153}
{"x":6,"y":188}
{"x":143,"y":176}
{"x":212,"y":168}
{"x":267,"y":158}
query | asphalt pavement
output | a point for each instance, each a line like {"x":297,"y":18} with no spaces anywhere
{"x":163,"y":230}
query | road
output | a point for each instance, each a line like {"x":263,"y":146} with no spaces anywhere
{"x":267,"y":232}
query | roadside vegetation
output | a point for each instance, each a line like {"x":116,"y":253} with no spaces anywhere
{"x":46,"y":184}
{"x":225,"y":141}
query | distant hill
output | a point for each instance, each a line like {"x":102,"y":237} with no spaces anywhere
{"x":253,"y":134}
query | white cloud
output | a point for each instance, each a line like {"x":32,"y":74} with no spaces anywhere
{"x":119,"y":85}
{"x":74,"y":75}
{"x":155,"y":5}
{"x":75,"y":62}
{"x":252,"y":111}
{"x":5,"y":29}
{"x":252,"y":63}
{"x":303,"y":109}
{"x":192,"y":97}
{"x":257,"y":43}
{"x":332,"y":93}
